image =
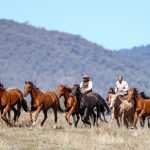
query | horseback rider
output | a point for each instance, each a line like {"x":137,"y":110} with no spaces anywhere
{"x":121,"y":86}
{"x":86,"y":85}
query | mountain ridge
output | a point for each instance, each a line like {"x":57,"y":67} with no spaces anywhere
{"x":49,"y":58}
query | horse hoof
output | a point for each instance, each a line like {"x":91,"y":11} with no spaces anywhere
{"x":34,"y":123}
{"x":54,"y":127}
{"x":70,"y":123}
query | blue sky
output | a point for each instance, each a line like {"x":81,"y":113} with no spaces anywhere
{"x":114,"y":24}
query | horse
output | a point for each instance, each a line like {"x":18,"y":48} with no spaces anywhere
{"x":142,"y":106}
{"x":121,"y":108}
{"x":72,"y":108}
{"x":42,"y":101}
{"x":8,"y":100}
{"x":70,"y":104}
{"x":88,"y":102}
{"x":144,"y":117}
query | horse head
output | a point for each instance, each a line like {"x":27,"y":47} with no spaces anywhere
{"x":112,"y":98}
{"x":27,"y":88}
{"x":75,"y":90}
{"x":111,"y":90}
{"x":132,"y":94}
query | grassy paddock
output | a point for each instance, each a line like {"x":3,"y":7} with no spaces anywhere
{"x":65,"y":137}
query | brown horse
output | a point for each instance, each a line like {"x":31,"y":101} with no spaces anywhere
{"x":73,"y":107}
{"x":9,"y":99}
{"x":142,"y":106}
{"x":42,"y":101}
{"x":70,"y":104}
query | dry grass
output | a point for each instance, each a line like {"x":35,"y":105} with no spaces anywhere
{"x":65,"y":137}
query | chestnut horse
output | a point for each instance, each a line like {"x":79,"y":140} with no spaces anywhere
{"x":8,"y":99}
{"x":142,"y":106}
{"x":42,"y":101}
{"x":70,"y":104}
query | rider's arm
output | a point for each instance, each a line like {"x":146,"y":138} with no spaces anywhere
{"x":126,"y":86}
{"x":116,"y":88}
{"x":81,"y":85}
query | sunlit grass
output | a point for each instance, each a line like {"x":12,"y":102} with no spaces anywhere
{"x":65,"y":137}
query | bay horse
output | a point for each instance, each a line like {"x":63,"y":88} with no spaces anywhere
{"x":8,"y":100}
{"x":144,"y":117}
{"x":88,"y":102}
{"x":42,"y":101}
{"x":121,"y":109}
{"x":70,"y":104}
{"x":142,"y":106}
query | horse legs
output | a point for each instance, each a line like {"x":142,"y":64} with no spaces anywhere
{"x":135,"y":120}
{"x":141,"y":116}
{"x":78,"y":117}
{"x":55,"y":117}
{"x":45,"y":117}
{"x":37,"y":114}
{"x":103,"y":114}
{"x":15,"y":114}
{"x":18,"y":111}
{"x":94,"y":118}
{"x":4,"y":111}
{"x":148,"y":122}
{"x":86,"y":116}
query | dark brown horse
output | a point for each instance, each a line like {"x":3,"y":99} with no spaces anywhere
{"x":8,"y":100}
{"x":73,"y":108}
{"x":42,"y":101}
{"x":142,"y":106}
{"x":89,"y":102}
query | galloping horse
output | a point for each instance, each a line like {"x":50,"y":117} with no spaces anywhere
{"x":10,"y":98}
{"x":121,"y":108}
{"x":88,"y":102}
{"x":42,"y":101}
{"x":70,"y":104}
{"x":142,"y":106}
{"x":144,"y":117}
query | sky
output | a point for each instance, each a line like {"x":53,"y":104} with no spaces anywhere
{"x":114,"y":24}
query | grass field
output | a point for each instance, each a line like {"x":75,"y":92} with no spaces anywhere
{"x":67,"y":138}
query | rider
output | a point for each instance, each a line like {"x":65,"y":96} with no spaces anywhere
{"x":86,"y":85}
{"x":121,"y":86}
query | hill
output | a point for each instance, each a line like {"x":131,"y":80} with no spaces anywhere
{"x":49,"y":58}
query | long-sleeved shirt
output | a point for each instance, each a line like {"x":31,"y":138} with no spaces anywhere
{"x":121,"y":88}
{"x":89,"y":87}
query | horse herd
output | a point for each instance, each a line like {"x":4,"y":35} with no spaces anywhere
{"x":88,"y":107}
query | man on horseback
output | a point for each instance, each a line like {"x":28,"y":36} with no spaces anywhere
{"x":86,"y":85}
{"x":121,"y":86}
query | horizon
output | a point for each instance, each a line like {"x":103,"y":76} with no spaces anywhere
{"x":114,"y":25}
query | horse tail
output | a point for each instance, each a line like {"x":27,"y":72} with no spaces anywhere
{"x":24,"y":105}
{"x":104,"y":103}
{"x":59,"y":108}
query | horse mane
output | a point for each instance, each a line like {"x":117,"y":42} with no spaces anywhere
{"x":136,"y":90}
{"x":31,"y":83}
{"x":68,"y":89}
{"x":77,"y":85}
{"x":111,"y":90}
{"x":144,"y":95}
{"x":2,"y":86}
